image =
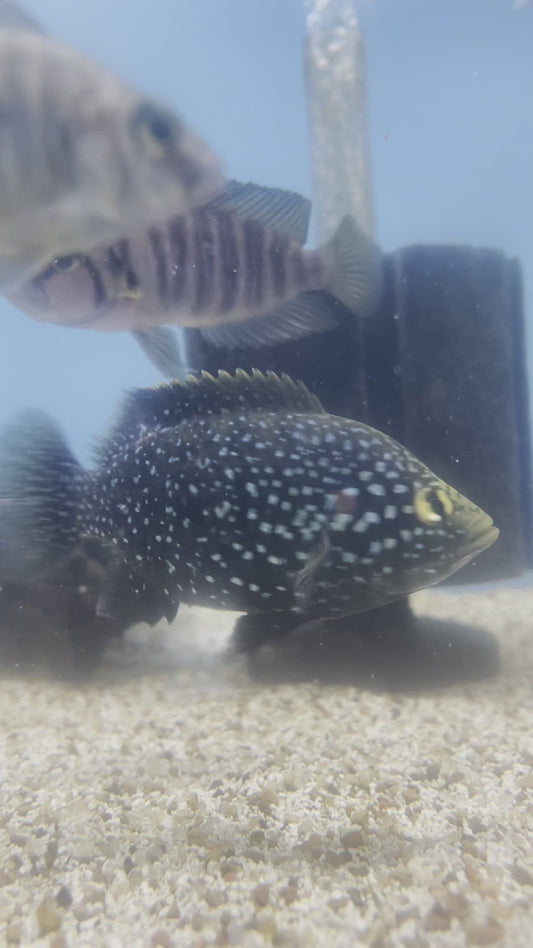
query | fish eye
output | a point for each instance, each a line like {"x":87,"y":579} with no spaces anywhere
{"x":67,"y":263}
{"x":432,"y":505}
{"x":156,"y":129}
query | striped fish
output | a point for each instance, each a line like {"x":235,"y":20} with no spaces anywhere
{"x":234,"y":268}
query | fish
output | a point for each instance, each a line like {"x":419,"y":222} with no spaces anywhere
{"x":237,"y":491}
{"x":84,"y":158}
{"x":234,"y":269}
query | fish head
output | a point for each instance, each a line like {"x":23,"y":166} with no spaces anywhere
{"x":407,"y":528}
{"x":442,"y":531}
{"x":168,"y":168}
{"x":69,"y":290}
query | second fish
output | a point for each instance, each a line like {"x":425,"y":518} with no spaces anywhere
{"x":234,"y":268}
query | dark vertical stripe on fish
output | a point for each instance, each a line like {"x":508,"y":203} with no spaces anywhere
{"x":204,"y":260}
{"x":120,"y":263}
{"x":314,"y":269}
{"x":158,"y":253}
{"x":100,"y":296}
{"x":177,"y":235}
{"x":278,"y":255}
{"x":254,"y":249}
{"x":229,"y":269}
{"x":299,"y":272}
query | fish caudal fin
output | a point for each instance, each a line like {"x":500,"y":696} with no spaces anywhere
{"x":356,"y":268}
{"x":41,"y":486}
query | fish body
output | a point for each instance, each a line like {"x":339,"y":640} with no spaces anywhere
{"x":84,"y":158}
{"x":237,"y":493}
{"x":227,"y":270}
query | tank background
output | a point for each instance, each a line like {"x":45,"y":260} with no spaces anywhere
{"x":451,"y":143}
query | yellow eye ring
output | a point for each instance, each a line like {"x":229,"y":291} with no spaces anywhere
{"x":432,"y":505}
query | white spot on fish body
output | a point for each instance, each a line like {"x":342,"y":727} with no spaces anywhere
{"x":348,"y":558}
{"x":223,"y":509}
{"x":340,"y":521}
{"x":377,"y":489}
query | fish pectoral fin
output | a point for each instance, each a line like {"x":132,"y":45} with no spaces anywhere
{"x":305,"y":579}
{"x":13,"y":17}
{"x":311,"y":312}
{"x":272,"y":207}
{"x":161,"y":345}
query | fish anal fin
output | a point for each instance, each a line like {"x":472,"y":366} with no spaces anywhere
{"x":127,"y":594}
{"x":308,"y":313}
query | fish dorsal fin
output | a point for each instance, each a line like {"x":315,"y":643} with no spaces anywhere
{"x":272,"y":207}
{"x":168,"y":405}
{"x":13,"y":17}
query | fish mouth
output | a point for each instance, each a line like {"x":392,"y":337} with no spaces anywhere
{"x":481,"y":535}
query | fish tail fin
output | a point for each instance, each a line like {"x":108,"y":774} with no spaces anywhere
{"x":41,"y":489}
{"x":356,"y":268}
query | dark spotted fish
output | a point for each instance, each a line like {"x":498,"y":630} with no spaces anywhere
{"x":237,"y":492}
{"x":234,"y":268}
{"x":84,"y":159}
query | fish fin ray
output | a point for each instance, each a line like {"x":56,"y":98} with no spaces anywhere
{"x":170,"y":403}
{"x":41,"y":485}
{"x":161,"y":345}
{"x":357,"y":268}
{"x":308,"y":313}
{"x":127,"y":594}
{"x":305,"y":579}
{"x":273,"y":207}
